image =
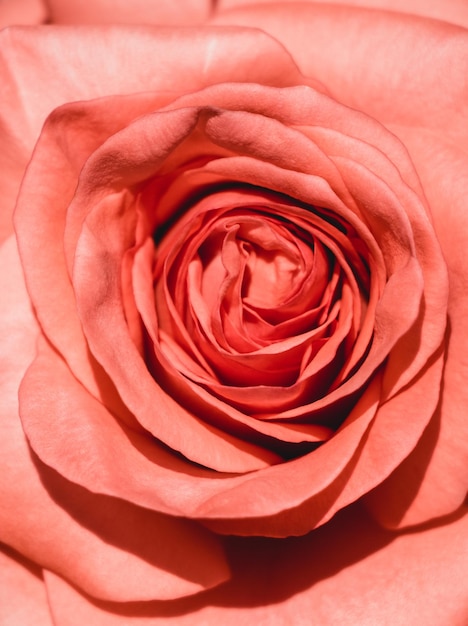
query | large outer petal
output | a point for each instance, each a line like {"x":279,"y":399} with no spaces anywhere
{"x":23,"y":597}
{"x":22,"y":12}
{"x":411,"y":74}
{"x":399,"y":68}
{"x":455,"y":11}
{"x":28,"y":59}
{"x":349,"y":572}
{"x":130,"y":553}
{"x":80,"y":63}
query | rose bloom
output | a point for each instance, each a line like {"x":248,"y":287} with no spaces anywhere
{"x":233,"y":314}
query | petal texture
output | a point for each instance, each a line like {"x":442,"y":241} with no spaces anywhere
{"x":23,"y":596}
{"x":455,"y":11}
{"x":120,"y":12}
{"x":369,"y":577}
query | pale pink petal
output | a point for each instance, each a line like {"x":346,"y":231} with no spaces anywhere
{"x":107,"y":547}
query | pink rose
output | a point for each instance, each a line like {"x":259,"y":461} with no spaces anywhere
{"x":233,"y":320}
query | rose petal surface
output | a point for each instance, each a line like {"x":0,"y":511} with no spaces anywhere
{"x":455,"y":11}
{"x":120,"y":12}
{"x":23,"y":596}
{"x":370,"y":576}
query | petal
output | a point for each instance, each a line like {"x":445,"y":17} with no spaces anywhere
{"x":407,"y":498}
{"x":348,"y":572}
{"x":30,"y":57}
{"x":397,"y":68}
{"x":54,"y":65}
{"x":22,"y":12}
{"x":121,"y":12}
{"x":129,"y":551}
{"x":455,"y":11}
{"x":74,"y":131}
{"x":23,"y":597}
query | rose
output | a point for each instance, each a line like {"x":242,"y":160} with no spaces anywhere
{"x":70,"y":140}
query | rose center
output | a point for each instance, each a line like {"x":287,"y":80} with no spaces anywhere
{"x":249,"y":290}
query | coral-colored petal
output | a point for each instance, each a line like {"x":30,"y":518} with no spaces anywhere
{"x":348,"y":572}
{"x":129,"y":551}
{"x":393,"y":58}
{"x":23,"y":597}
{"x":455,"y":11}
{"x":30,"y":57}
{"x":15,"y":12}
{"x":176,"y":12}
{"x":75,"y":130}
{"x":437,"y":468}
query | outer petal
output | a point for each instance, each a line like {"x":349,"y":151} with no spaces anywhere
{"x":22,"y":12}
{"x":444,"y":172}
{"x":69,"y":54}
{"x":30,"y":57}
{"x":123,"y":12}
{"x":348,"y":572}
{"x":412,"y":76}
{"x":397,"y":68}
{"x":23,"y":598}
{"x":83,"y":63}
{"x":131,"y":553}
{"x":455,"y":11}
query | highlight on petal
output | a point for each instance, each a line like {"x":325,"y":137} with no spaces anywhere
{"x":30,"y":56}
{"x":394,"y":58}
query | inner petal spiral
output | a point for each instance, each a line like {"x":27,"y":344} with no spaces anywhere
{"x":255,"y":295}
